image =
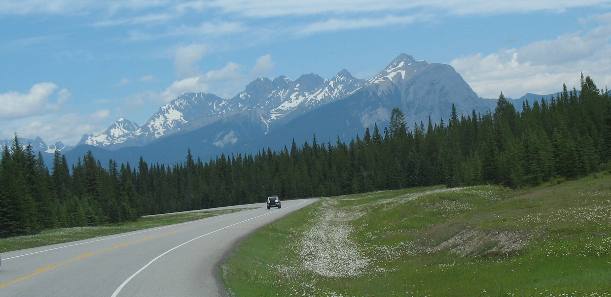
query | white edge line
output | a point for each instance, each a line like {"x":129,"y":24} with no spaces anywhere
{"x":120,"y":288}
{"x":109,"y":237}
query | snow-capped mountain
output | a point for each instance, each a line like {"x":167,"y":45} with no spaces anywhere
{"x":119,"y":132}
{"x":403,"y":67}
{"x":190,"y":110}
{"x":420,"y":89}
{"x":38,"y":145}
{"x":270,"y":113}
{"x":275,"y":99}
{"x":307,"y":96}
{"x":268,"y":100}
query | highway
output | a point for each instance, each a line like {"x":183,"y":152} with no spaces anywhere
{"x":170,"y":261}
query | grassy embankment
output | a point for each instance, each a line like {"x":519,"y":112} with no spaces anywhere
{"x":551,"y":240}
{"x":61,"y":235}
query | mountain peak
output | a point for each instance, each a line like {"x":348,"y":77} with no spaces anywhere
{"x":281,"y":82}
{"x":407,"y":59}
{"x":400,"y":68}
{"x":261,"y":83}
{"x":125,"y":124}
{"x":119,"y":132}
{"x":310,"y":82}
{"x":344,"y":74}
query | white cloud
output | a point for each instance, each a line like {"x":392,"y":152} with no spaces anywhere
{"x":189,"y":84}
{"x":263,"y":66}
{"x":542,"y":66}
{"x":209,"y":28}
{"x":147,"y":78}
{"x":123,"y":82}
{"x":147,"y":19}
{"x":63,"y":95}
{"x":67,"y":128}
{"x":42,"y":97}
{"x":217,"y":80}
{"x":153,"y":11}
{"x":229,"y":71}
{"x":278,"y":8}
{"x":63,"y":7}
{"x":142,"y":79}
{"x":101,"y":114}
{"x":224,"y":81}
{"x":339,"y":24}
{"x":187,"y":57}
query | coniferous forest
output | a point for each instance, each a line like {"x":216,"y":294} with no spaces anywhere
{"x":566,"y":137}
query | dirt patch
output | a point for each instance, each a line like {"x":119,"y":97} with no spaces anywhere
{"x":483,"y":243}
{"x":413,"y":196}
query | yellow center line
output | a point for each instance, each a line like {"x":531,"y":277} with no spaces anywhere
{"x":81,"y":257}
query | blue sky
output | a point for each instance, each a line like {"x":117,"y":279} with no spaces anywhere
{"x":71,"y":67}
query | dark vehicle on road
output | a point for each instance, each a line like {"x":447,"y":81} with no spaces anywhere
{"x":273,"y":201}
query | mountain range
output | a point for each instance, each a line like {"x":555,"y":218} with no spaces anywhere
{"x":272,"y":113}
{"x":38,"y":145}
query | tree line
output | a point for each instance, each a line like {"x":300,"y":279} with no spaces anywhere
{"x":568,"y":136}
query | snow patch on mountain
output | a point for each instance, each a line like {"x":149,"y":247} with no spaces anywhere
{"x":401,"y":68}
{"x":162,"y":122}
{"x":342,"y":85}
{"x":225,"y":138}
{"x":119,"y":132}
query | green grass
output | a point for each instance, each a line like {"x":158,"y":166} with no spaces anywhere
{"x":61,"y":235}
{"x":548,"y":240}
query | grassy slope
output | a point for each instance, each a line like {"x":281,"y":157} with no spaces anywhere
{"x":478,"y":241}
{"x":54,"y":236}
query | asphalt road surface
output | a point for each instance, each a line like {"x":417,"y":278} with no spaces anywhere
{"x":171,"y":261}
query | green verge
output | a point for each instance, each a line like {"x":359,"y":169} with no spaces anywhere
{"x":550,"y":240}
{"x":61,"y":235}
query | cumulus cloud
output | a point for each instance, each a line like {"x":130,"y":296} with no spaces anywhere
{"x":542,"y":66}
{"x":229,"y":71}
{"x":189,"y":84}
{"x":67,"y":128}
{"x":219,"y":80}
{"x":42,"y":97}
{"x":187,"y":57}
{"x":263,"y":66}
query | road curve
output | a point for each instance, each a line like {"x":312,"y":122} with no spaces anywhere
{"x":176,"y":260}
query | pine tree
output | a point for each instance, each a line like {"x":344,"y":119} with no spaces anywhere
{"x":398,"y":126}
{"x":376,"y":138}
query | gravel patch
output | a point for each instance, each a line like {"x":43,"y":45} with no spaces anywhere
{"x":327,"y":249}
